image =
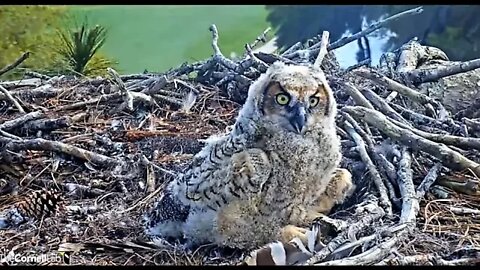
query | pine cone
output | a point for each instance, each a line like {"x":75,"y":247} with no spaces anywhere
{"x":37,"y":204}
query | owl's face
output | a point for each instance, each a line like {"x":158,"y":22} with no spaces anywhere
{"x":295,"y":98}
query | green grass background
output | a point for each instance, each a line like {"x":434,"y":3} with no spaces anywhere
{"x":160,"y":37}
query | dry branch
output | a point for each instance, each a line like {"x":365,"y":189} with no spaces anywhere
{"x":217,"y":54}
{"x":429,"y":179}
{"x":374,"y":174}
{"x":323,"y":49}
{"x":11,"y":124}
{"x":418,"y":76}
{"x":59,"y":147}
{"x":386,"y":168}
{"x":375,"y":26}
{"x":15,"y":64}
{"x":261,"y":38}
{"x":357,"y":96}
{"x":43,"y":91}
{"x":428,"y":259}
{"x":384,"y":81}
{"x":369,"y":214}
{"x":443,"y":138}
{"x":448,"y":157}
{"x":410,"y":204}
{"x":12,"y":99}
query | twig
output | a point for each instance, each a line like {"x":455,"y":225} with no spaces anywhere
{"x":375,"y":26}
{"x":47,"y":124}
{"x":262,"y":37}
{"x":15,"y":64}
{"x":422,"y":119}
{"x":323,"y":49}
{"x":374,"y":174}
{"x":428,"y":181}
{"x":382,"y":105}
{"x":368,"y":256}
{"x":293,"y":48}
{"x":40,"y":92}
{"x":475,"y":125}
{"x":464,"y":211}
{"x":262,"y":65}
{"x":410,"y":209}
{"x":13,"y":100}
{"x":416,"y":96}
{"x":448,"y":157}
{"x":369,"y":238}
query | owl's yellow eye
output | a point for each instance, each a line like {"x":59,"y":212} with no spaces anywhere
{"x":282,"y":99}
{"x":313,"y":101}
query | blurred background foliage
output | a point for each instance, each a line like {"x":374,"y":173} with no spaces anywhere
{"x":156,"y":38}
{"x":55,"y":45}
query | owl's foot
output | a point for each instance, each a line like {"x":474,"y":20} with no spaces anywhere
{"x":308,"y":238}
{"x":338,"y":189}
{"x":290,"y":232}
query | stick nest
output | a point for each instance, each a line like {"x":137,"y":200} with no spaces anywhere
{"x":109,"y":144}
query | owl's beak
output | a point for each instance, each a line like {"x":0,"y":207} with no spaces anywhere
{"x":298,"y":119}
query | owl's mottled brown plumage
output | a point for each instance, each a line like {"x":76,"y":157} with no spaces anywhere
{"x":245,"y":188}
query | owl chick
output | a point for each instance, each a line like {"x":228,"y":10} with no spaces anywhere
{"x":266,"y":179}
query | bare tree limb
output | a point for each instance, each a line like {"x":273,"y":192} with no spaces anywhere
{"x":59,"y":147}
{"x":12,"y":99}
{"x":449,"y":157}
{"x":429,"y":179}
{"x":410,"y":204}
{"x":323,"y":49}
{"x":11,"y":124}
{"x":443,"y":138}
{"x":374,"y":174}
{"x":418,"y":76}
{"x":357,"y":96}
{"x":261,"y":38}
{"x":384,"y":81}
{"x":15,"y":64}
{"x":375,"y":26}
{"x":217,"y":54}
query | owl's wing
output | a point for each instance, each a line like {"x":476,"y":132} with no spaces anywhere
{"x":243,"y":175}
